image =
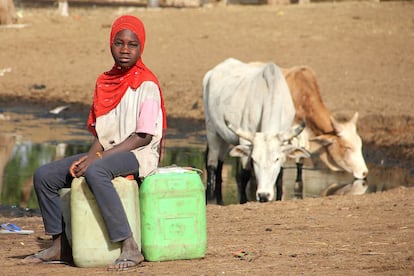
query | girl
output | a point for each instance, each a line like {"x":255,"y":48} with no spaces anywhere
{"x":127,"y":119}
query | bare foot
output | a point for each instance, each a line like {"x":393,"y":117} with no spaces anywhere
{"x":130,"y":256}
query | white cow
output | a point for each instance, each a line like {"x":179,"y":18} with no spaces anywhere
{"x":257,"y":103}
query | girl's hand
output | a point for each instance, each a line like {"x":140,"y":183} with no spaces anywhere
{"x":76,"y":169}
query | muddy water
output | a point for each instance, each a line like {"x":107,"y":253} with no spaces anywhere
{"x":20,"y":155}
{"x":17,"y":186}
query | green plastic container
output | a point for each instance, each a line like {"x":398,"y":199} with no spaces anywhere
{"x":173,"y":215}
{"x":91,"y":246}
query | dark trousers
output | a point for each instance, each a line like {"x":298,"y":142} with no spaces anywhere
{"x":50,"y":178}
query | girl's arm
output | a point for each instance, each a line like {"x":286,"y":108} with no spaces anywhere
{"x":134,"y":141}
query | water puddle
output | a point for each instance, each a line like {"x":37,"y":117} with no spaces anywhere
{"x":16,"y":187}
{"x":20,"y":157}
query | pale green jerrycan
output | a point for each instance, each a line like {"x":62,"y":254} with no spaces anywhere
{"x":91,"y":246}
{"x":173,"y":215}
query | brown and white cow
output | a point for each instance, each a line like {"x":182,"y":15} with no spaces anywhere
{"x":337,"y":144}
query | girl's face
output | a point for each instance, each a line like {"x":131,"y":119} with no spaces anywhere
{"x":126,"y":49}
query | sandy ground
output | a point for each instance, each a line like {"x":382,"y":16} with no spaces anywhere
{"x":363,"y":55}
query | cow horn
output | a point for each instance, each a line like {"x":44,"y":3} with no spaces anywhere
{"x":294,"y":131}
{"x":241,"y":133}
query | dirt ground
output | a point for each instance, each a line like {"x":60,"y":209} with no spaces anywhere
{"x":363,"y":55}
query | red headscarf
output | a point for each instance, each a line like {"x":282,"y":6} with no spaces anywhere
{"x":112,"y":85}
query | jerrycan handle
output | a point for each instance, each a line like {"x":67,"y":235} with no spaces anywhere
{"x":200,"y":172}
{"x":176,"y":168}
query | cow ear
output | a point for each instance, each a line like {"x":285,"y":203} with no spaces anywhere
{"x":324,"y":140}
{"x":240,"y":151}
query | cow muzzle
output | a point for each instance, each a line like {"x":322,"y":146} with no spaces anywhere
{"x":362,"y":175}
{"x":263,"y":197}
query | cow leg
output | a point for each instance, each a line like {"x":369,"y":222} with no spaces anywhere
{"x":214,"y":182}
{"x":279,"y":185}
{"x":219,"y":181}
{"x":211,"y":179}
{"x":243,"y":176}
{"x":242,"y":184}
{"x":298,"y":188}
{"x":214,"y":179}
